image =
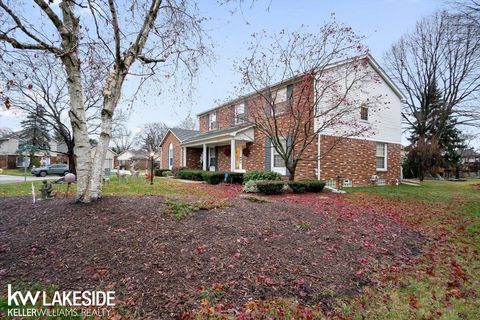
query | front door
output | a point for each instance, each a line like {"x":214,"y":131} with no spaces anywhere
{"x":238,"y":157}
{"x":212,"y":159}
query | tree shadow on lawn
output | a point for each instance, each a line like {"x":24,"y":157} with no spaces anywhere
{"x":159,"y":265}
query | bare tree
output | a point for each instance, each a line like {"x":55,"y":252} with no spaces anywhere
{"x":123,"y":139}
{"x":149,"y":39}
{"x":152,"y":135}
{"x":188,"y":123}
{"x":324,"y":73}
{"x":439,"y":60}
{"x":37,"y":82}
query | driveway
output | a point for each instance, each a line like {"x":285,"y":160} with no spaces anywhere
{"x":5,"y":179}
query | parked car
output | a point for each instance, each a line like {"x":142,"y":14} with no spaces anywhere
{"x":59,"y":168}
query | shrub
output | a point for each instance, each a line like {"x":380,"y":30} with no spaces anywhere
{"x":235,"y":177}
{"x":315,"y":185}
{"x":250,"y":186}
{"x":261,"y":175}
{"x":167,"y":173}
{"x":298,"y":186}
{"x":176,"y":170}
{"x":159,"y":172}
{"x":212,"y":177}
{"x":270,"y":187}
{"x":190,"y":174}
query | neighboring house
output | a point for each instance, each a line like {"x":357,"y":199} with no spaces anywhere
{"x":133,"y":160}
{"x":470,"y":156}
{"x":171,"y":152}
{"x":228,"y":140}
{"x":110,"y":158}
{"x":10,"y":159}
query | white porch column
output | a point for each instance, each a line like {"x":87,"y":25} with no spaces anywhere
{"x":204,"y":157}
{"x":232,"y":155}
{"x":184,"y":156}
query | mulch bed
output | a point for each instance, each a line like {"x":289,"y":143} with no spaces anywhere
{"x":159,"y":266}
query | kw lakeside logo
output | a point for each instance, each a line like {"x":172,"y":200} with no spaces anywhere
{"x":60,"y":303}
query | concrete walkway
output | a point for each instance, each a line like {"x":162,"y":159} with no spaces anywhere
{"x":6,"y":179}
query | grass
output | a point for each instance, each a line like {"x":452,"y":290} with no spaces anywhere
{"x":16,"y":172}
{"x":130,"y":187}
{"x":445,"y":281}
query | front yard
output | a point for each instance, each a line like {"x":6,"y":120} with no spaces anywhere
{"x":199,"y":251}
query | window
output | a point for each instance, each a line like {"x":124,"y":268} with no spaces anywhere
{"x":280,"y":101}
{"x":170,"y":156}
{"x":364,"y":112}
{"x":212,"y":158}
{"x":240,"y":113}
{"x":278,"y":164}
{"x":381,"y":156}
{"x":212,"y":121}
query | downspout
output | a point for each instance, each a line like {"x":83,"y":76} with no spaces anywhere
{"x":318,"y":156}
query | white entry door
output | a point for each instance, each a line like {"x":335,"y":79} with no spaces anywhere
{"x":212,"y":158}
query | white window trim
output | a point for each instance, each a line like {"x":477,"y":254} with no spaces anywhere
{"x":280,"y":170}
{"x":368,"y":114}
{"x":210,"y":149}
{"x":275,"y":102}
{"x":210,"y":120}
{"x":386,"y":158}
{"x":236,"y":114}
{"x":170,"y":156}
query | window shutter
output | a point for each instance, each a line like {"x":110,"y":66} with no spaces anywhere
{"x":289,"y":146}
{"x":289,"y":95}
{"x":216,"y":158}
{"x":268,"y":154}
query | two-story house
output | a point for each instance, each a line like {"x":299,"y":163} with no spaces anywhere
{"x":10,"y":159}
{"x":229,"y":140}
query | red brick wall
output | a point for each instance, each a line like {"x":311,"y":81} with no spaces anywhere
{"x":193,"y":158}
{"x":177,"y":151}
{"x":355,"y":159}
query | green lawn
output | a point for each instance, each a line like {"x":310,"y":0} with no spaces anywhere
{"x":445,"y":281}
{"x":130,"y":187}
{"x":16,"y":172}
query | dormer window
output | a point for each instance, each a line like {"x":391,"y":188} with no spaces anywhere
{"x":364,"y":113}
{"x":212,"y":121}
{"x":240,"y":116}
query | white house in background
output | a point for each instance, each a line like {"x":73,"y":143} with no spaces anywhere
{"x":110,"y":157}
{"x":133,"y":159}
{"x":10,"y":159}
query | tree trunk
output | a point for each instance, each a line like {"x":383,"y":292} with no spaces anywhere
{"x":30,"y":165}
{"x":83,"y":159}
{"x":457,"y":172}
{"x":291,"y":169}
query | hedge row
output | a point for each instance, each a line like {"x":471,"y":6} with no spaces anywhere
{"x":261,"y":175}
{"x":306,"y":186}
{"x":276,"y":186}
{"x":211,"y":177}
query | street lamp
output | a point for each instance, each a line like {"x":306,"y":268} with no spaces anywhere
{"x":152,"y":154}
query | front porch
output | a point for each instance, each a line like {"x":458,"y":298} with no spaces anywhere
{"x":218,"y":151}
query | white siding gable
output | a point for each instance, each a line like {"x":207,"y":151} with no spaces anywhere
{"x":384,"y":117}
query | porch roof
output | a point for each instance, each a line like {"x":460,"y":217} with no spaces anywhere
{"x":226,"y":133}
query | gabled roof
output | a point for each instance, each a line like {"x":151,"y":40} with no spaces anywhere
{"x":368,"y":56}
{"x":219,"y":132}
{"x":180,"y":134}
{"x":136,"y":154}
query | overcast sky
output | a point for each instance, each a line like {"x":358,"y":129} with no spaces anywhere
{"x":381,"y":21}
